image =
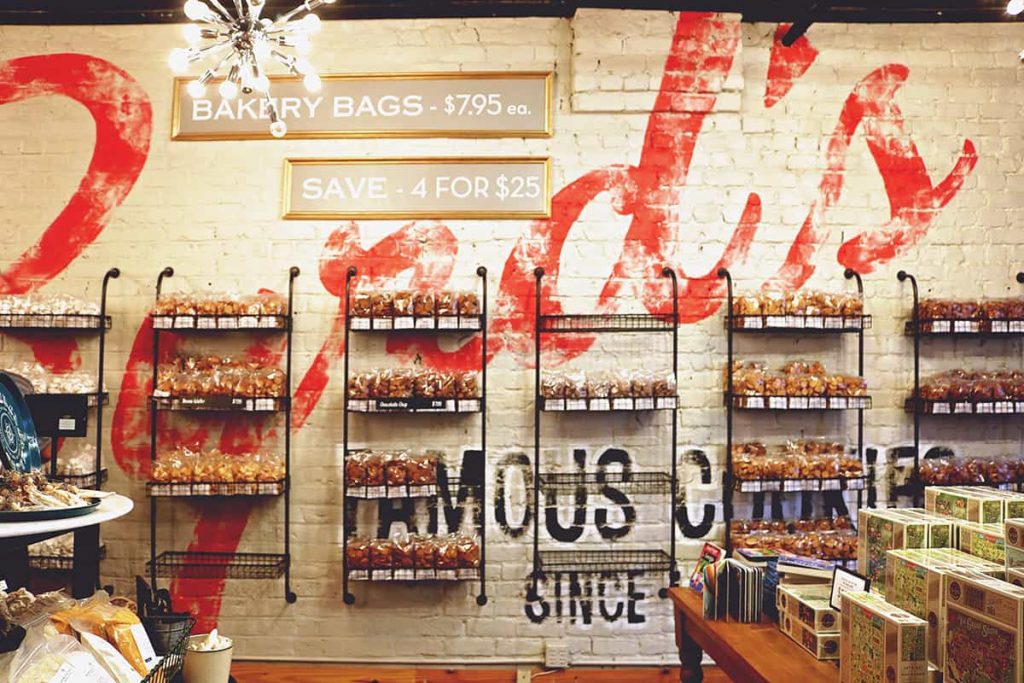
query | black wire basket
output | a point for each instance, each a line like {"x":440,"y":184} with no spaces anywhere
{"x":173,"y":659}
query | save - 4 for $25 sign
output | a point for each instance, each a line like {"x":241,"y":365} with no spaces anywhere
{"x":491,"y":188}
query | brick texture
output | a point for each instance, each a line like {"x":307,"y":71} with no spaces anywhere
{"x":212,"y":210}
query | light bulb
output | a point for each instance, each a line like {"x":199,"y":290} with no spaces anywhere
{"x":278,"y":129}
{"x":261,"y":48}
{"x":228,"y":90}
{"x":302,"y":44}
{"x":192,"y":33}
{"x":311,"y":23}
{"x":1015,"y":7}
{"x":312,"y":82}
{"x":303,"y":66}
{"x":261,"y":83}
{"x":179,"y":59}
{"x":196,"y":10}
{"x":196,"y":89}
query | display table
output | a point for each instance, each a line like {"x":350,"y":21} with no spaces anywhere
{"x":15,"y":537}
{"x":752,"y":653}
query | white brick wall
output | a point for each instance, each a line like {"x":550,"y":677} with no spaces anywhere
{"x":212,"y":211}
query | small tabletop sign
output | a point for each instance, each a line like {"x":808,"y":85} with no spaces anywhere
{"x":417,"y":187}
{"x":428,"y":105}
{"x":845,"y":581}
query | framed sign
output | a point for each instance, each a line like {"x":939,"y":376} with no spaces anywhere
{"x":425,"y":187}
{"x":430,"y":105}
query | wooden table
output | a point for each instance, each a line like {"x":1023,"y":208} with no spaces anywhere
{"x":747,"y":653}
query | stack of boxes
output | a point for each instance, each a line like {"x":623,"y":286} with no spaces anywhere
{"x":806,"y":616}
{"x":951,"y":567}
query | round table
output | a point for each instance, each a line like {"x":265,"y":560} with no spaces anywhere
{"x":15,"y":537}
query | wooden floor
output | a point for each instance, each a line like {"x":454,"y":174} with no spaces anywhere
{"x":260,"y":672}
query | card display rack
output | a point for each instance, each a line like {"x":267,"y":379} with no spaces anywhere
{"x":238,"y":565}
{"x":596,"y":561}
{"x":353,"y":496}
{"x":832,"y":489}
{"x":919,"y":408}
{"x":58,"y":416}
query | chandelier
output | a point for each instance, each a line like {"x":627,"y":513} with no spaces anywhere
{"x":242,"y":44}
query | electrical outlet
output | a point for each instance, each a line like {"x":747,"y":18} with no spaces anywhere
{"x":523,"y":674}
{"x":556,"y":656}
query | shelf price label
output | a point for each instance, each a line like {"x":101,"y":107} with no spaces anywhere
{"x":478,"y":188}
{"x":456,"y":105}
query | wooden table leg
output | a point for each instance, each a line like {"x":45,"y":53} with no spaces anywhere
{"x":690,"y":654}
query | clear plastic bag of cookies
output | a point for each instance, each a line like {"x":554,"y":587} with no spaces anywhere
{"x":773,"y":303}
{"x":444,"y":303}
{"x":553,"y":385}
{"x":664,"y":385}
{"x":447,"y":552}
{"x":423,"y":304}
{"x":426,"y":384}
{"x":467,"y":384}
{"x":396,"y":470}
{"x":746,"y":304}
{"x":641,"y":385}
{"x":403,"y":555}
{"x":401,"y":303}
{"x":422,"y":468}
{"x":748,"y":378}
{"x":575,"y":385}
{"x":374,"y":466}
{"x":362,"y":304}
{"x":447,"y":385}
{"x":468,"y":304}
{"x":400,"y":383}
{"x":381,"y":551}
{"x":424,"y":550}
{"x":357,"y":553}
{"x":935,"y":309}
{"x":380,"y":304}
{"x":599,"y":385}
{"x":468,"y":552}
{"x":355,"y":468}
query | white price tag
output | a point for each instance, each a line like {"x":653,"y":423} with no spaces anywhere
{"x":941,"y":408}
{"x":404,"y":323}
{"x":470,"y":323}
{"x":360,"y":323}
{"x":425,"y":324}
{"x":184,"y":322}
{"x":961,"y":408}
{"x":778,"y":402}
{"x":775,"y":321}
{"x":646,"y":403}
{"x":940,"y":326}
{"x":66,"y":424}
{"x":447,"y":322}
{"x":600,"y":404}
{"x":383,"y":323}
{"x":814,"y":322}
{"x":1017,"y":326}
{"x":752,"y":322}
{"x":1000,"y":327}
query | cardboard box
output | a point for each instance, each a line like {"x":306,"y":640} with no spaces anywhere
{"x":913,"y":582}
{"x":1015,"y":576}
{"x":979,"y":505}
{"x":880,"y":531}
{"x":1013,"y":532}
{"x":1014,"y":504}
{"x":982,"y":540}
{"x":810,"y":606}
{"x":823,"y":646}
{"x":880,"y":642}
{"x":984,"y":638}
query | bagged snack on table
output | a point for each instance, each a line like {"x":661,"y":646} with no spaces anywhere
{"x":110,"y":659}
{"x":118,"y":625}
{"x":45,"y":658}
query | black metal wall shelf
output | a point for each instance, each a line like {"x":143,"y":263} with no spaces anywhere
{"x":195,"y":564}
{"x":415,"y":405}
{"x":206,"y":489}
{"x":605,"y":561}
{"x":607,"y":323}
{"x":920,"y":329}
{"x":470,"y":324}
{"x":636,"y":482}
{"x":59,"y":323}
{"x":203,"y":565}
{"x":831,"y":489}
{"x":60,"y":563}
{"x":604,"y":405}
{"x":452,"y":323}
{"x":801,"y":402}
{"x":66,"y":415}
{"x":221,"y":323}
{"x":232,"y":404}
{"x":799,"y":324}
{"x":972,"y":407}
{"x":795,"y":484}
{"x":590,"y":561}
